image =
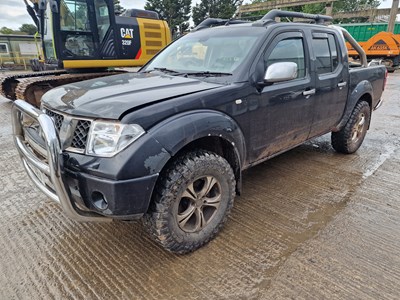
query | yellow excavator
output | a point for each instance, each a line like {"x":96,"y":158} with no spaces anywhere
{"x":83,"y":39}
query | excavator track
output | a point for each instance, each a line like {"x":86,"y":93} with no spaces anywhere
{"x":31,"y":89}
{"x":8,"y":83}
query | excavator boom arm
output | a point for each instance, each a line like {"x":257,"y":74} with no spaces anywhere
{"x":33,"y":11}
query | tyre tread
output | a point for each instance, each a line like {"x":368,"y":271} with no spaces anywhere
{"x":340,"y":139}
{"x":167,"y":187}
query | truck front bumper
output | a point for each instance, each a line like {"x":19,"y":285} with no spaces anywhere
{"x":83,"y":197}
{"x":117,"y":199}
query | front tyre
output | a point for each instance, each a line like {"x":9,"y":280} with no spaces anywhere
{"x":192,"y":200}
{"x":351,"y":136}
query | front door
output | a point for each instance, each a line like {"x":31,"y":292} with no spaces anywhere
{"x":283,"y":112}
{"x":85,"y":30}
{"x":77,"y":38}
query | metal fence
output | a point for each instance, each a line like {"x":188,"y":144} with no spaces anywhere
{"x":15,"y":60}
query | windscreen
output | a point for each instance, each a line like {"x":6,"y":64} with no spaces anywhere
{"x":205,"y":53}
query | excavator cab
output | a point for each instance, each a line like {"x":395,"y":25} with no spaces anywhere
{"x":87,"y":34}
{"x":86,"y":39}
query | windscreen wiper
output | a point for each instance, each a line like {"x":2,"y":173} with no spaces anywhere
{"x":208,"y":73}
{"x":166,"y":70}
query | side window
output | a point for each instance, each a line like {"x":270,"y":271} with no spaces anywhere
{"x":74,"y":15}
{"x":288,"y":50}
{"x":102,"y":17}
{"x":326,"y":53}
{"x":3,"y":48}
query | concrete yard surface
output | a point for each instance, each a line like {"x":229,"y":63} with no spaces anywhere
{"x":310,"y":224}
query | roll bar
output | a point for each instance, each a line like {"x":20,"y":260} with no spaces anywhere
{"x":354,"y":44}
{"x":271,"y":15}
{"x":218,"y":22}
{"x":267,"y":19}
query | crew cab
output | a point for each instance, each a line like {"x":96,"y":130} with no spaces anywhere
{"x":168,"y":144}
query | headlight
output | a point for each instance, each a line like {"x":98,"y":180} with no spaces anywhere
{"x":108,"y":138}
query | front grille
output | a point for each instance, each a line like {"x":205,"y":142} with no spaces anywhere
{"x":57,"y":118}
{"x":154,"y":43}
{"x":151,"y":52}
{"x":150,"y":34}
{"x":80,"y":134}
{"x":151,"y":26}
{"x":80,"y":129}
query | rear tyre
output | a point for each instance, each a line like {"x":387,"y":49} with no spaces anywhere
{"x":351,"y":136}
{"x":192,"y":200}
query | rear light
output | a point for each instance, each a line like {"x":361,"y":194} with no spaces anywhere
{"x":385,"y":80}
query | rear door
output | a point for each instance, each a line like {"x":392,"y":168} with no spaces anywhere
{"x":331,"y":80}
{"x":283,"y":111}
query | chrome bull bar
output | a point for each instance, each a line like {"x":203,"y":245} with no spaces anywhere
{"x":52,"y":166}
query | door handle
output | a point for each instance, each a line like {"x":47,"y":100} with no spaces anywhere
{"x":309,"y":93}
{"x":342,"y":84}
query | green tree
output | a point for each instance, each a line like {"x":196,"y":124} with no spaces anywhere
{"x":28,"y":29}
{"x":175,"y":12}
{"x":6,"y":30}
{"x":354,"y":5}
{"x":315,"y":8}
{"x":214,"y":9}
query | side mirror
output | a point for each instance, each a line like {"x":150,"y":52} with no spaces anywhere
{"x":281,"y":71}
{"x":42,"y":4}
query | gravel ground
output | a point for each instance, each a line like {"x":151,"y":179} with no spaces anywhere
{"x":311,"y":224}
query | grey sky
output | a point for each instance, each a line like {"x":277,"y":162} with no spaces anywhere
{"x":13,"y":13}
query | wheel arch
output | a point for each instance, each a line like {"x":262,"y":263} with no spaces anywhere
{"x":203,"y":129}
{"x":220,"y":146}
{"x":362,"y":92}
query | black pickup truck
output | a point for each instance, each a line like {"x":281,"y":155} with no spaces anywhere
{"x":168,"y":144}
